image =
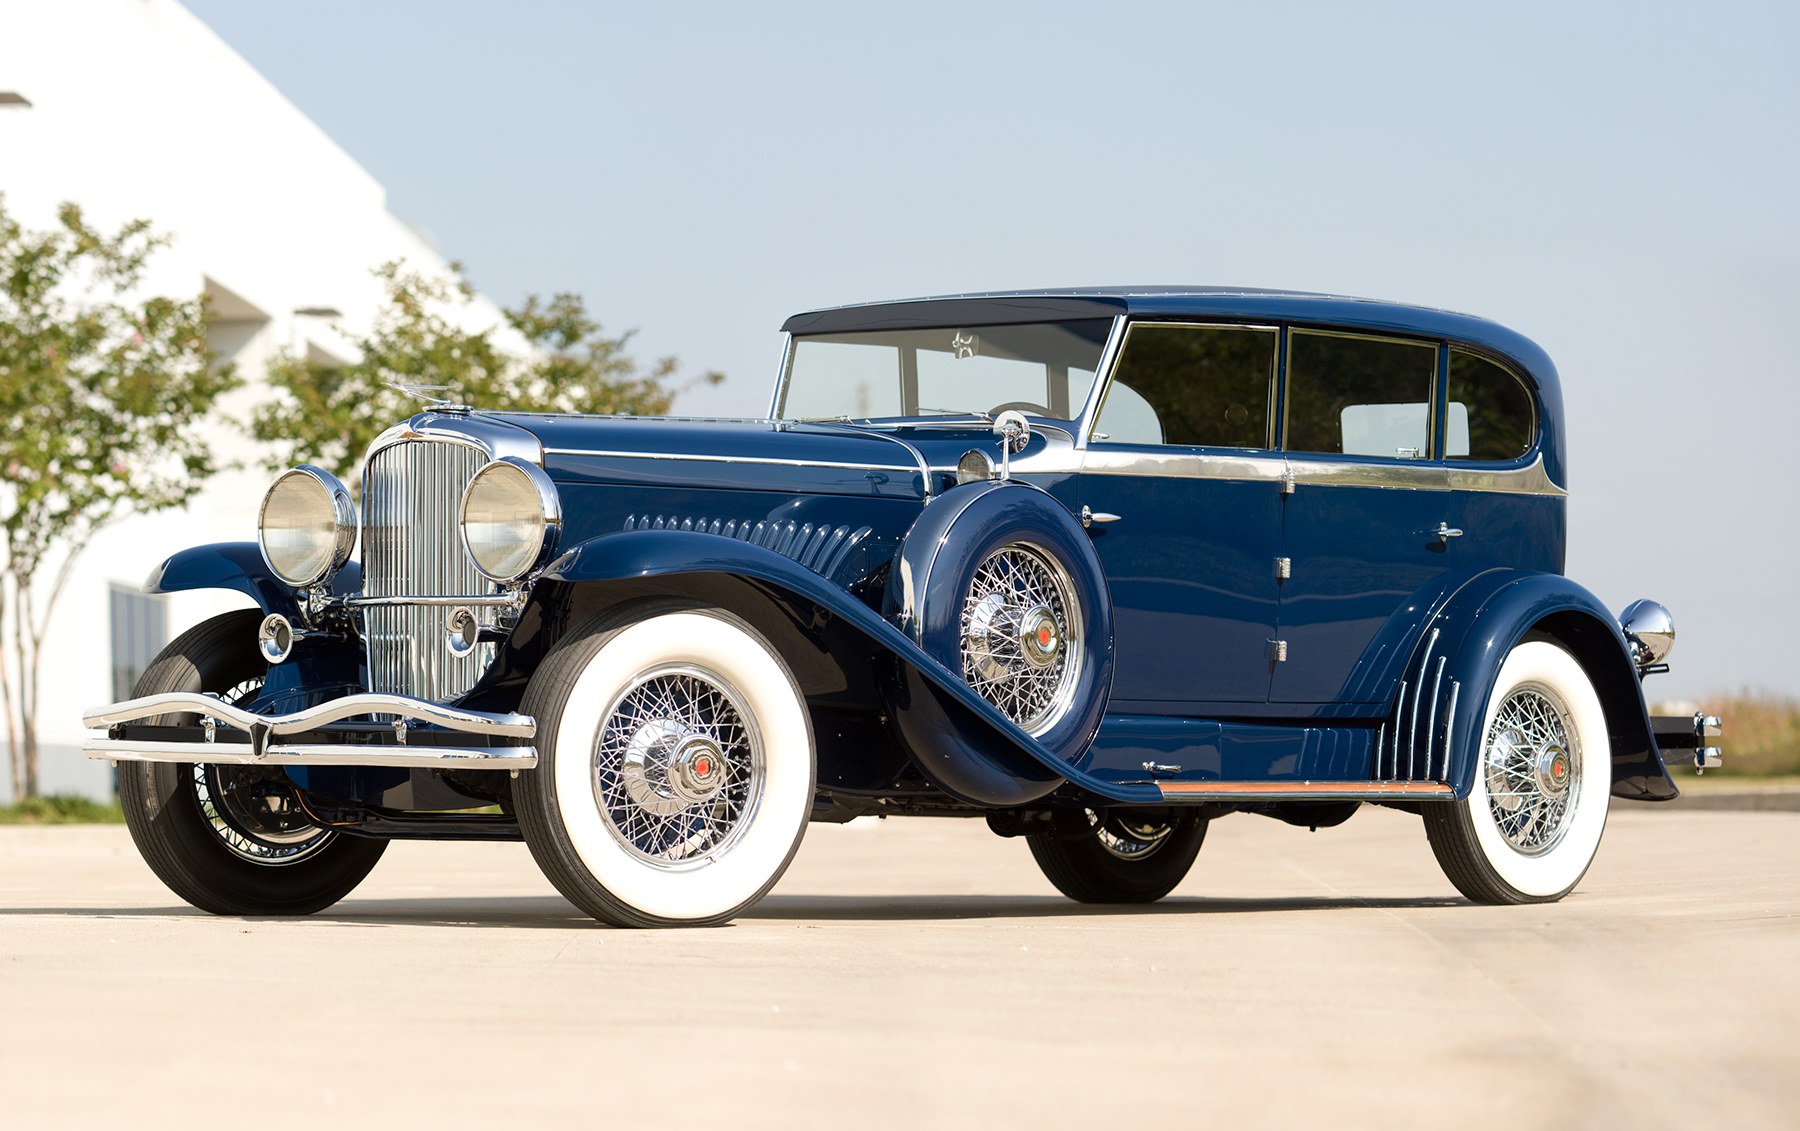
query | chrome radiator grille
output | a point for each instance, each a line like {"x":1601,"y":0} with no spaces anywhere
{"x":412,"y":547}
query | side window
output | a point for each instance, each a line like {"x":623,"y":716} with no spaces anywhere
{"x":1490,"y":415}
{"x":1359,"y":396}
{"x":1208,"y":386}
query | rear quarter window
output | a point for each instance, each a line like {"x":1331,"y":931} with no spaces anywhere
{"x":1490,"y":415}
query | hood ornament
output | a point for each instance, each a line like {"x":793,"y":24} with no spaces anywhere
{"x":427,"y":393}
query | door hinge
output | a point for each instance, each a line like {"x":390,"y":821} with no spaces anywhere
{"x":1278,"y":651}
{"x":1284,"y":568}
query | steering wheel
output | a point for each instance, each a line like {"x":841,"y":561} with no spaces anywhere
{"x":1022,"y":406}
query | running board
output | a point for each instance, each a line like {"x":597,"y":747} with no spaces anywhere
{"x":1300,"y":790}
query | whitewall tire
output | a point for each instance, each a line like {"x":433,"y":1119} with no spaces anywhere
{"x":675,"y":768}
{"x":1530,"y":826}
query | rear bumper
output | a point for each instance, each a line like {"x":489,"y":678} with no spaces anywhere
{"x":1689,"y":734}
{"x":415,"y":733}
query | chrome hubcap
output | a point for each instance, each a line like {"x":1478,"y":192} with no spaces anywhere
{"x":1019,"y":644}
{"x":1039,"y":638}
{"x":1533,"y":769}
{"x":1130,"y":839}
{"x":677,"y":768}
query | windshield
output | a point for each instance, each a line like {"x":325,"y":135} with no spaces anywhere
{"x":1043,"y":368}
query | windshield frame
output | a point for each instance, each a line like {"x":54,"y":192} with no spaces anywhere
{"x":1079,"y":412}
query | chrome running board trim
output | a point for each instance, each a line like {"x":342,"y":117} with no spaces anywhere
{"x":1299,"y":790}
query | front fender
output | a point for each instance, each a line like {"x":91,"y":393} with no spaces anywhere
{"x":1482,"y":622}
{"x":239,"y":566}
{"x":959,"y":740}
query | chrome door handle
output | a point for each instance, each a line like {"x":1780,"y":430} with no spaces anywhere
{"x":1089,"y":516}
{"x":1445,"y":532}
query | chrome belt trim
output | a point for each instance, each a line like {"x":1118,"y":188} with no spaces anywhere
{"x":1100,"y":459}
{"x":337,"y":710}
{"x":244,"y":754}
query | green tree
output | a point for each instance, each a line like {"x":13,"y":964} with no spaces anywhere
{"x":328,"y":414}
{"x":100,"y":392}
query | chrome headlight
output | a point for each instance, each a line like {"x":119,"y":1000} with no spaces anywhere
{"x":307,"y":527}
{"x":511,"y":519}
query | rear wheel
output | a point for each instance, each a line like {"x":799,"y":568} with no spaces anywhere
{"x":1122,"y":859}
{"x":675,"y":767}
{"x":1532,"y":822}
{"x":231,"y":840}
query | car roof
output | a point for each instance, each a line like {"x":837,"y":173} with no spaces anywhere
{"x":1231,"y":304}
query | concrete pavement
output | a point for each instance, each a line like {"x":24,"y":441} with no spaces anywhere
{"x":921,"y":973}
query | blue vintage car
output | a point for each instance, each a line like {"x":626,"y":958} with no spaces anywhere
{"x":1097,"y":566}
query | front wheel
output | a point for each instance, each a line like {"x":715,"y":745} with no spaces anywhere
{"x":675,"y":768}
{"x":1122,"y":858}
{"x":231,"y":840}
{"x":1532,"y":822}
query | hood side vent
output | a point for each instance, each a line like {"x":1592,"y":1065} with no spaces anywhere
{"x":819,"y":548}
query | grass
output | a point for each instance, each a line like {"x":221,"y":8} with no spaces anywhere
{"x":1761,"y":734}
{"x":61,"y":809}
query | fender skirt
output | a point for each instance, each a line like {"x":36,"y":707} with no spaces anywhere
{"x":1481,"y":623}
{"x":963,"y":744}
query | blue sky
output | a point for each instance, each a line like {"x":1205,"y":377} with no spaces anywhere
{"x":1616,"y":181}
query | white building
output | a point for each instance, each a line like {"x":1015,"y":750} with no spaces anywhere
{"x":133,"y":108}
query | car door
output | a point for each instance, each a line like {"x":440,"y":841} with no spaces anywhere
{"x":1365,"y":525}
{"x":1184,"y":495}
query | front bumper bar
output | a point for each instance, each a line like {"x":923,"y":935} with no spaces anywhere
{"x":234,"y":736}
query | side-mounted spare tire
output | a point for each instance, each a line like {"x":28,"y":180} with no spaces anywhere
{"x":1001,"y":584}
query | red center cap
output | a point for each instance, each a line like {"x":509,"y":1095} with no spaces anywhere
{"x":1043,"y":636}
{"x":703,"y":765}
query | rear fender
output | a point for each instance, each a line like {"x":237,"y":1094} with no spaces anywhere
{"x":960,"y":742}
{"x":1473,"y":634}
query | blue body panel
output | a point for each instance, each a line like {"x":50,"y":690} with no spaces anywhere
{"x":238,"y":566}
{"x":1194,"y":598}
{"x":1358,"y":554}
{"x":964,"y":743}
{"x":1495,"y":611}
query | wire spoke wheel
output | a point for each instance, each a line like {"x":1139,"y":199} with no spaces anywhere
{"x":1128,"y":838}
{"x":1021,"y":644}
{"x":229,"y":839}
{"x":678,"y":766}
{"x":1533,"y":768}
{"x":260,"y":825}
{"x":1124,"y":856}
{"x":1536,"y":808}
{"x":675,"y":766}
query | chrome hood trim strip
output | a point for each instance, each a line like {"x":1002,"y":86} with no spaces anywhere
{"x":698,"y":457}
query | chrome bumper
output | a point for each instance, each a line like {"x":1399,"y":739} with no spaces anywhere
{"x":261,"y":745}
